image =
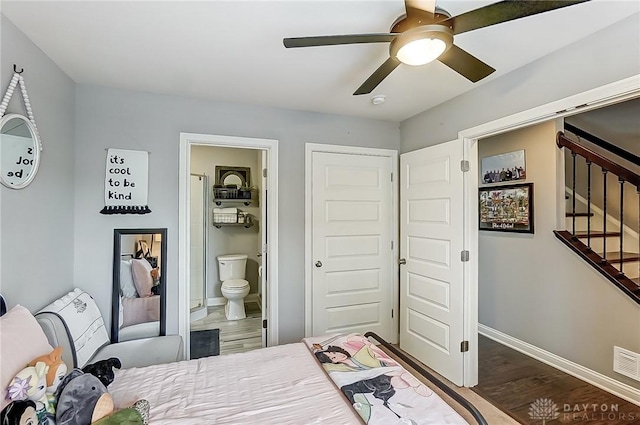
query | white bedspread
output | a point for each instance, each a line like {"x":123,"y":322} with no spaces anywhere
{"x":278,"y":385}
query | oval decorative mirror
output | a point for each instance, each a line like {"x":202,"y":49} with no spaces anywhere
{"x":19,"y":151}
{"x":138,"y":305}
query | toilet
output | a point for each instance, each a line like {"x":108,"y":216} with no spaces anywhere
{"x":231,"y":269}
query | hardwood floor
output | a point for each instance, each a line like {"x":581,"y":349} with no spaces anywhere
{"x":525,"y":388}
{"x":236,"y":336}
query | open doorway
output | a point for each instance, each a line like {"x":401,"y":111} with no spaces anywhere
{"x":518,"y":311}
{"x":228,"y":243}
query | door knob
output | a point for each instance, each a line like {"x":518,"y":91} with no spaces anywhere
{"x":402,"y":261}
{"x":259,"y":254}
{"x":318,"y":263}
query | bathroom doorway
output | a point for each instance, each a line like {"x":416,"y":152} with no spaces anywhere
{"x":227,"y":218}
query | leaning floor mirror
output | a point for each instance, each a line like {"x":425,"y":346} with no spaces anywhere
{"x":138,"y":305}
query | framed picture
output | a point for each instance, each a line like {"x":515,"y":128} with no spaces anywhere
{"x":503,"y":168}
{"x":506,"y":208}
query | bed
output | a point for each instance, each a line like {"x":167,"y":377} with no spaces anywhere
{"x":285,"y":384}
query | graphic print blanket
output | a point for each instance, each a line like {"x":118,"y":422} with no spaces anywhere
{"x":378,"y":388}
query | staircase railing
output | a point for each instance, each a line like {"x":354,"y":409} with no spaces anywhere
{"x":610,"y":264}
{"x":629,"y":156}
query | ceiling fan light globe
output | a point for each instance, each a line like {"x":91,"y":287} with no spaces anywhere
{"x":421,"y":45}
{"x":421,"y":51}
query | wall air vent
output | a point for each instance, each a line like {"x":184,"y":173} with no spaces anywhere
{"x":626,"y":363}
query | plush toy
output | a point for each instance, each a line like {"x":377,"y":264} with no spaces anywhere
{"x":155,"y":274}
{"x":31,"y":384}
{"x":138,"y":414}
{"x":56,"y":372}
{"x":103,"y":369}
{"x":82,"y":399}
{"x":19,"y":412}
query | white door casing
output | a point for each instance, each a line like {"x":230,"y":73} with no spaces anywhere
{"x":264,"y":211}
{"x":187,"y":140}
{"x":431,"y":241}
{"x":352,"y":257}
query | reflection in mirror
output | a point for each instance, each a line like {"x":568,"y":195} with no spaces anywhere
{"x":19,"y":151}
{"x":138,"y":305}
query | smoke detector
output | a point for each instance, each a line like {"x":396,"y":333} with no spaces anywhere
{"x":378,"y":99}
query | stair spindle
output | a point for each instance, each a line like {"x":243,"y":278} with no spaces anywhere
{"x":604,"y":224}
{"x":611,"y":266}
{"x":621,"y":180}
{"x":573,"y":201}
{"x":589,"y":205}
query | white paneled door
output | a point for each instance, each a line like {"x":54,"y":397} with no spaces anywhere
{"x":352,"y":254}
{"x":431,"y":241}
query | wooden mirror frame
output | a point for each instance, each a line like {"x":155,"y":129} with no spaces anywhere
{"x":115,"y":294}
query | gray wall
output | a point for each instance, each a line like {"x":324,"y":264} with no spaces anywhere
{"x":533,"y":288}
{"x":36,"y":223}
{"x":133,"y":120}
{"x":604,"y":57}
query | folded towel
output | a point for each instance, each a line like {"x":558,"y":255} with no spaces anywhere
{"x":225,"y":211}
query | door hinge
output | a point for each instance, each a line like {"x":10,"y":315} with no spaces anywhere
{"x":464,"y":256}
{"x":464,"y":346}
{"x":392,"y":313}
{"x":391,"y":176}
{"x":391,"y":244}
{"x":264,"y":324}
{"x":464,"y":165}
{"x":264,"y":172}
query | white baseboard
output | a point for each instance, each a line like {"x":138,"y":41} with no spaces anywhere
{"x":212,"y":302}
{"x":597,"y":379}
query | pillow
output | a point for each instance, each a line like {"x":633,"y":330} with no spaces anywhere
{"x":21,"y":340}
{"x":127,"y":285}
{"x":142,"y":276}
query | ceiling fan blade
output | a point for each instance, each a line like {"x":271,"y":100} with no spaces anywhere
{"x":331,"y":40}
{"x":503,"y":11}
{"x":376,"y":78}
{"x":465,"y":64}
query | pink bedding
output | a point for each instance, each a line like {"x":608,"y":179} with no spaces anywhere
{"x":140,"y":310}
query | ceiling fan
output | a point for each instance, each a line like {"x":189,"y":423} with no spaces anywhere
{"x":426,"y":32}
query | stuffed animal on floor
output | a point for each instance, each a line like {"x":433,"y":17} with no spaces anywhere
{"x":31,"y":384}
{"x":103,"y":369}
{"x":57,"y":370}
{"x":19,"y":412}
{"x":82,"y":399}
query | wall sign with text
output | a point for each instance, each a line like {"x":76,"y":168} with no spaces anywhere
{"x":126,"y":182}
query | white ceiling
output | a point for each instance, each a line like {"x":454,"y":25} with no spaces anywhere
{"x":232,"y":50}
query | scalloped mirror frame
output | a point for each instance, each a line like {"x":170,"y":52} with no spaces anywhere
{"x":36,"y":152}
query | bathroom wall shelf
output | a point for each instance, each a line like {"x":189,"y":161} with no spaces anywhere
{"x":220,"y":201}
{"x":245,"y":225}
{"x":233,"y":195}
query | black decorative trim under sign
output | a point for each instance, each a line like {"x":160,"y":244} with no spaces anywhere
{"x":125,"y":210}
